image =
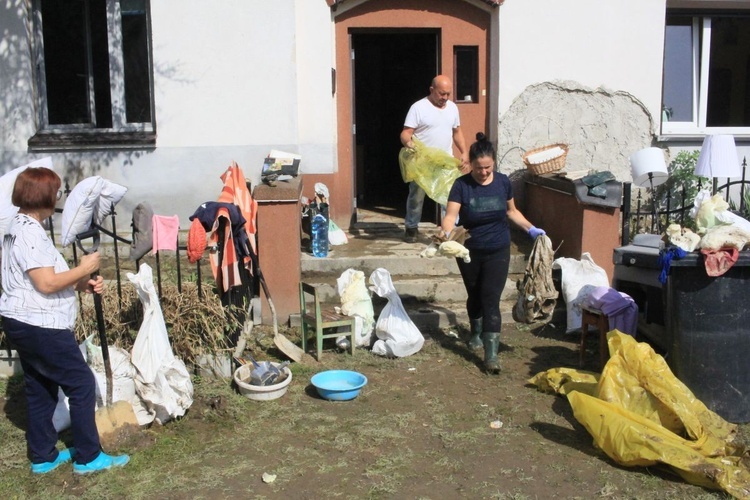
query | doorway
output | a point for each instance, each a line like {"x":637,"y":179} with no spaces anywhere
{"x":392,"y":70}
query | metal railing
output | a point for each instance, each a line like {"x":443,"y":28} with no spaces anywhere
{"x":644,"y":216}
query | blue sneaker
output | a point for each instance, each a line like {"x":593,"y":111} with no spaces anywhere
{"x":45,"y":467}
{"x":101,"y":462}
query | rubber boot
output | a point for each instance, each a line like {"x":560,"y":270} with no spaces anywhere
{"x":475,"y":342}
{"x":491,"y":342}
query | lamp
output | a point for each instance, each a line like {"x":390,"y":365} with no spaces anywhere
{"x":718,"y":158}
{"x":648,"y":167}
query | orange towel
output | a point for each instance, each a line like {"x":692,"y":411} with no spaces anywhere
{"x":166,"y":230}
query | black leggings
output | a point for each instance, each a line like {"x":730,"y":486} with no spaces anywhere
{"x":484,"y":278}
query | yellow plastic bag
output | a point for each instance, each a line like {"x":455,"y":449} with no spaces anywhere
{"x":432,"y":169}
{"x":640,"y":414}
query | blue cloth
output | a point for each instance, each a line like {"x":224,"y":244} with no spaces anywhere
{"x":665,"y":260}
{"x":484,"y":211}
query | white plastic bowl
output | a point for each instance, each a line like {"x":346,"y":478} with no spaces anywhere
{"x":260,"y":392}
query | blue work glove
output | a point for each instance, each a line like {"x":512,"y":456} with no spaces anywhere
{"x":535,"y":231}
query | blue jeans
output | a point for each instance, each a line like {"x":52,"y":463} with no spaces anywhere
{"x":414,"y":204}
{"x":50,"y":360}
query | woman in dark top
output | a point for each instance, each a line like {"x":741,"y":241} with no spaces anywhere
{"x":482,"y":201}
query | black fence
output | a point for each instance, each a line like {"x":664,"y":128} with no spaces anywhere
{"x":655,"y":214}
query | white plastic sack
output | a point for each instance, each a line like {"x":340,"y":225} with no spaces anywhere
{"x":397,"y":334}
{"x":123,"y":384}
{"x":579,"y":278}
{"x":162,"y":381}
{"x":356,"y":301}
{"x":336,"y":235}
{"x":714,"y":212}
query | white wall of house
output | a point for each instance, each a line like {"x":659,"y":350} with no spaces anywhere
{"x":232,"y":80}
{"x":616,"y":44}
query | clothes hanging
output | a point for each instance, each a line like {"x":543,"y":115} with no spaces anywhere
{"x":165,"y":232}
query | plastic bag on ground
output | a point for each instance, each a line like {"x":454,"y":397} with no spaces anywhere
{"x":640,"y":414}
{"x":356,"y":301}
{"x":162,"y":381}
{"x":579,"y":278}
{"x":397,"y":334}
{"x":432,"y":169}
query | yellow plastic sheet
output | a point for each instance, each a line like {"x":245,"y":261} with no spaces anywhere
{"x":432,"y":169}
{"x":640,"y":414}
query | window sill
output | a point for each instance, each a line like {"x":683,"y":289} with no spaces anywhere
{"x":51,"y":141}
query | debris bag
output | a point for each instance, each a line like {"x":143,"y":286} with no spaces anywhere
{"x":579,"y":278}
{"x":336,"y":235}
{"x":162,"y":381}
{"x":537,"y":296}
{"x":432,"y":169}
{"x":397,"y":334}
{"x":640,"y":414}
{"x":356,"y":301}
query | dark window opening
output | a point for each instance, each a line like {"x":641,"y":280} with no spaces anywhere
{"x":466,"y":73}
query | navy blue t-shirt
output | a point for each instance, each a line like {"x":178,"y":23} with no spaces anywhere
{"x":483,"y":210}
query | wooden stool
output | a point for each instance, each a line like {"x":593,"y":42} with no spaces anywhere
{"x":320,"y":321}
{"x":594,"y":317}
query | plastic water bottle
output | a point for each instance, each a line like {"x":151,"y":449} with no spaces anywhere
{"x":320,"y":235}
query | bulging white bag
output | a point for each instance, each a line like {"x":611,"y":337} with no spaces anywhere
{"x":397,"y":334}
{"x":356,"y":301}
{"x":162,"y":381}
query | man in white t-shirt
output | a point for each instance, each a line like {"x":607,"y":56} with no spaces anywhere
{"x":434,"y":121}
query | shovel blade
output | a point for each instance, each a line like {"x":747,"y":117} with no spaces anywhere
{"x":114,"y":419}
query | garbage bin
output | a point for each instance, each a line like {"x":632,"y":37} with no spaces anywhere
{"x":710,"y":329}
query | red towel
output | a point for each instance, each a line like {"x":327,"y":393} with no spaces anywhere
{"x":719,"y":261}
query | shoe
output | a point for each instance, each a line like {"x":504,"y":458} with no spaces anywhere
{"x":410,"y":235}
{"x":475,"y":342}
{"x":45,"y":467}
{"x":101,"y":462}
{"x":491,"y":342}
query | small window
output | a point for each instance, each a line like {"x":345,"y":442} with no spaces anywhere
{"x":466,"y":77}
{"x":94,"y":72}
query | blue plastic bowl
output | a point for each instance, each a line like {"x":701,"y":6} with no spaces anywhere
{"x":338,"y":385}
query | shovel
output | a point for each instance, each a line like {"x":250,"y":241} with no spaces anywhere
{"x":111,"y":416}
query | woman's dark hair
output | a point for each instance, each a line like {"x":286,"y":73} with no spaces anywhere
{"x":35,"y":189}
{"x":483,"y":147}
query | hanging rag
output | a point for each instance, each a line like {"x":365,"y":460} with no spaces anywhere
{"x":665,"y":260}
{"x":620,"y":308}
{"x":196,"y":242}
{"x":719,"y":261}
{"x":165,"y":232}
{"x":537,"y":295}
{"x":236,"y":191}
{"x":225,"y":265}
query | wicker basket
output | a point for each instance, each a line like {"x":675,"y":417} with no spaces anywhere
{"x":549,"y":166}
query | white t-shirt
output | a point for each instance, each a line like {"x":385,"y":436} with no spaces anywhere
{"x":27,"y":246}
{"x":432,"y":125}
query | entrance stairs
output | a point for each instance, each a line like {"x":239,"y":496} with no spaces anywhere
{"x":431,"y":289}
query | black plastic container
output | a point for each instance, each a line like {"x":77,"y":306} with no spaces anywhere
{"x":709,"y":321}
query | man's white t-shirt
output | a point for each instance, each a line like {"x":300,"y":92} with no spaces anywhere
{"x":27,"y":246}
{"x":433,"y":126}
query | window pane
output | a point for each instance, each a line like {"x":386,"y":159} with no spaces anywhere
{"x":65,"y":61}
{"x":678,"y":91}
{"x":135,"y":60}
{"x":100,"y":63}
{"x":466,"y":67}
{"x":729,"y":79}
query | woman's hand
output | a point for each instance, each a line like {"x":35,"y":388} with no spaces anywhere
{"x":95,"y":285}
{"x":90,"y":263}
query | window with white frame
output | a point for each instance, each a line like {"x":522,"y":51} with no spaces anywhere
{"x":706,"y":87}
{"x":93,"y":69}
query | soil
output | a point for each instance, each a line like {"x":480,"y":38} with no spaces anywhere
{"x":432,"y":425}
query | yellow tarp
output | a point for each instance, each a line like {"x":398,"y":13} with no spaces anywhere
{"x":432,"y":169}
{"x":640,"y":414}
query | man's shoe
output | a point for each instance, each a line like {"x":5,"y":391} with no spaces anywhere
{"x":410,"y":235}
{"x":45,"y":467}
{"x":102,"y":462}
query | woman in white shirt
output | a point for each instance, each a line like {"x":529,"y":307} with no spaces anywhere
{"x":38,"y":307}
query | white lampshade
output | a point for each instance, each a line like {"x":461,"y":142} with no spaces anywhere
{"x":648,"y":161}
{"x":718,"y":158}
